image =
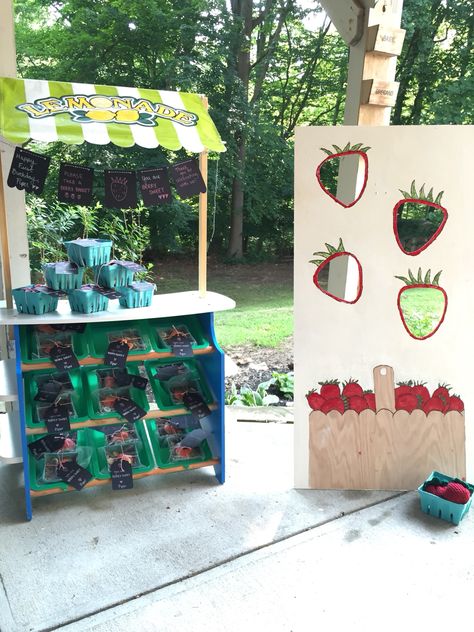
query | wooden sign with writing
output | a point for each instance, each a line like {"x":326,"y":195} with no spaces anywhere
{"x":75,"y":184}
{"x":376,"y":92}
{"x":28,"y":171}
{"x":385,"y":40}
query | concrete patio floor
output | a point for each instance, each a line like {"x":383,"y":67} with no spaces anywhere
{"x":181,"y":552}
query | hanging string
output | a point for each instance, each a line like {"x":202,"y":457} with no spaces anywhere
{"x":214,"y":204}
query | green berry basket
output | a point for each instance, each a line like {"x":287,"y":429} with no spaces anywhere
{"x":145,"y":461}
{"x":87,"y":300}
{"x":136,"y":332}
{"x":95,"y":393}
{"x":75,"y":396}
{"x":36,"y":467}
{"x":30,"y":300}
{"x":189,"y":324}
{"x":139,"y":294}
{"x":439,"y":507}
{"x":194,"y":375}
{"x":32,"y":339}
{"x":112,"y":275}
{"x":61,"y":281}
{"x":89,"y":252}
{"x":163,"y":451}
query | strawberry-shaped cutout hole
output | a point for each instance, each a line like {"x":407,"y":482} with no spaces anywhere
{"x":422,"y":304}
{"x":351,"y":160}
{"x":338,"y":274}
{"x":418,"y":219}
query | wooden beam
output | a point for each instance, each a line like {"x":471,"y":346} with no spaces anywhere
{"x":202,"y":257}
{"x":348,"y":17}
{"x":7,"y":276}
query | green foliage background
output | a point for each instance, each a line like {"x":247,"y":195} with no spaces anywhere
{"x":193,"y":45}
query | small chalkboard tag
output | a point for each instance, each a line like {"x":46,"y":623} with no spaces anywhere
{"x":122,"y":377}
{"x":48,"y":443}
{"x":117,"y":353}
{"x":130,"y":265}
{"x":28,"y":171}
{"x":66,"y":267}
{"x":168,"y":371}
{"x":187,"y":178}
{"x":73,"y":474}
{"x":64,"y":358}
{"x":75,"y":184}
{"x":181,"y":346}
{"x":128,"y":409}
{"x":77,"y":327}
{"x":121,"y":475}
{"x":48,"y":391}
{"x":195,"y":403}
{"x":56,"y":419}
{"x":155,"y":186}
{"x":120,"y":188}
{"x":111,"y":294}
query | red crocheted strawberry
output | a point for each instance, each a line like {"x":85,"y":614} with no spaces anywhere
{"x":456,"y":493}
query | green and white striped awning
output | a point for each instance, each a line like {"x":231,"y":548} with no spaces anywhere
{"x":50,"y":111}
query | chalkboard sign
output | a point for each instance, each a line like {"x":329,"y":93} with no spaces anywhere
{"x":155,"y":186}
{"x":75,"y":184}
{"x":120,"y":188}
{"x":187,"y":178}
{"x":28,"y":171}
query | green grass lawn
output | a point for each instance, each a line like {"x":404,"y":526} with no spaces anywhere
{"x":263,"y":293}
{"x":423,"y":309}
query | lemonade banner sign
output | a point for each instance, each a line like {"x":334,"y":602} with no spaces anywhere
{"x":50,"y":111}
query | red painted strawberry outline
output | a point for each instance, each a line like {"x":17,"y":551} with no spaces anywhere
{"x":325,"y":258}
{"x":419,"y":282}
{"x":426,"y":200}
{"x":341,"y":153}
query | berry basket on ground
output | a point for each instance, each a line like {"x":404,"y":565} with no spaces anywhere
{"x":445,"y":497}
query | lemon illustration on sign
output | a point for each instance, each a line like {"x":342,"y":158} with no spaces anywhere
{"x":127,"y":116}
{"x":100,"y":102}
{"x":100,"y":115}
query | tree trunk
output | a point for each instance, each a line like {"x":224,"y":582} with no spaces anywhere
{"x":242,"y":10}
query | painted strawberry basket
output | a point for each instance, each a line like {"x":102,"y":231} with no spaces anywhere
{"x":390,"y":442}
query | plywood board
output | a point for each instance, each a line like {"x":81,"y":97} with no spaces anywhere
{"x":334,"y":339}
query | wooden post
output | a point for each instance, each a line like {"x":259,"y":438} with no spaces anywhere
{"x":371,"y":89}
{"x":202,"y":258}
{"x":7,"y":275}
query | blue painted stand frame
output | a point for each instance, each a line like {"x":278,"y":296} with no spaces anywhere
{"x":213,"y":366}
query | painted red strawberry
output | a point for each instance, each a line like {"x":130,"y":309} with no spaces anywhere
{"x":406,"y":402}
{"x":329,"y":168}
{"x":418,"y":219}
{"x":434,"y":403}
{"x":370,"y":399}
{"x":357,"y":403}
{"x":352,"y":388}
{"x":420,"y":321}
{"x":456,"y":493}
{"x":419,"y":389}
{"x":330,"y":389}
{"x":404,"y":388}
{"x":315,"y":400}
{"x":335,"y":403}
{"x":352,"y":290}
{"x":454,"y":403}
{"x":442,"y":392}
